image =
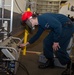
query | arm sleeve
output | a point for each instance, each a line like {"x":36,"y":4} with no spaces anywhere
{"x":37,"y":35}
{"x":57,"y":30}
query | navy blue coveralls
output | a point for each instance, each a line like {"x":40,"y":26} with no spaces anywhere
{"x":61,"y":31}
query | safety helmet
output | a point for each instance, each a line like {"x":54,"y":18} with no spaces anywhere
{"x":25,"y":19}
{"x":26,"y":15}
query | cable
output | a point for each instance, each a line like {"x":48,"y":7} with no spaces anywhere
{"x":23,"y":67}
{"x":18,"y":6}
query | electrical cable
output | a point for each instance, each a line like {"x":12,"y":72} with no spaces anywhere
{"x":18,"y":6}
{"x":23,"y":67}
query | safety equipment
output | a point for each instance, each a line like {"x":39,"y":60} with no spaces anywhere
{"x":26,"y":15}
{"x":29,"y":23}
{"x":25,"y":19}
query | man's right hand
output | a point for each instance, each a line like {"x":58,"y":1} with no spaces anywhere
{"x":23,"y":45}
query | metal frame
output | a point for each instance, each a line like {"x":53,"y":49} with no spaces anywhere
{"x":14,"y":56}
{"x":11,"y":11}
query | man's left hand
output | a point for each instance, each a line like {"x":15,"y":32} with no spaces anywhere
{"x":55,"y":46}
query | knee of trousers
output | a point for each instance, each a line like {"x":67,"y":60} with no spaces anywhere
{"x":63,"y":58}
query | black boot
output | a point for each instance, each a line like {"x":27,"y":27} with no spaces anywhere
{"x":69,"y":70}
{"x":48,"y":64}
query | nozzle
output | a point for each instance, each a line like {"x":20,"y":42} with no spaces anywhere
{"x":28,"y":9}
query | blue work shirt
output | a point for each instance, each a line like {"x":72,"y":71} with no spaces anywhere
{"x":54,"y":22}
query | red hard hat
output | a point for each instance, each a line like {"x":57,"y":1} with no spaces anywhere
{"x":26,"y":15}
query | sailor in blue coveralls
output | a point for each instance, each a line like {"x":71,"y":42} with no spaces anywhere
{"x":58,"y":38}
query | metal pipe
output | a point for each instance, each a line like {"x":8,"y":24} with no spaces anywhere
{"x":11,"y":20}
{"x":3,"y":2}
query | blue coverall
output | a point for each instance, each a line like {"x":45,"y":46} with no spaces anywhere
{"x":61,"y":28}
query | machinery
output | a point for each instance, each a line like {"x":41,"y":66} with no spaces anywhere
{"x":9,"y":50}
{"x":9,"y":53}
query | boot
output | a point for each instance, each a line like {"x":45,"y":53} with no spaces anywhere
{"x":69,"y":70}
{"x":48,"y":64}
